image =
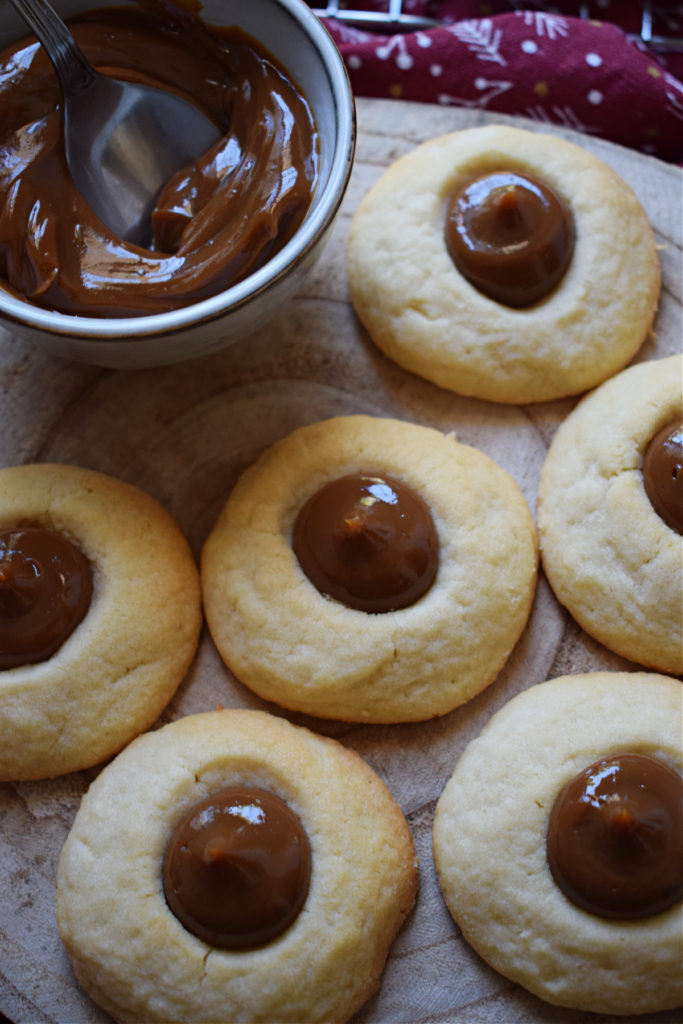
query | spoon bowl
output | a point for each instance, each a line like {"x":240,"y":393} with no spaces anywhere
{"x":123,"y":141}
{"x":290,"y":31}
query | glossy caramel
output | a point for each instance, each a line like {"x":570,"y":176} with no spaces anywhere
{"x":511,"y":236}
{"x":45,"y":592}
{"x":615,"y":837}
{"x":237,"y":868}
{"x":214,"y":224}
{"x":369,"y":542}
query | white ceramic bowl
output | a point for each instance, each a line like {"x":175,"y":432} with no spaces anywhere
{"x":294,"y":35}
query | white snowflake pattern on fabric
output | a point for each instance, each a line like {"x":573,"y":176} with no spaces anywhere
{"x":402,"y":58}
{"x":349,"y":34}
{"x":489,"y":90}
{"x":565,"y":116}
{"x":674,"y":94}
{"x":554,"y":26}
{"x":480,"y":37}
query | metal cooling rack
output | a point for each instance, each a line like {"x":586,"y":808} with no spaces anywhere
{"x":395,"y":20}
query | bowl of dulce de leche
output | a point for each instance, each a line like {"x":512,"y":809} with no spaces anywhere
{"x":231,"y":237}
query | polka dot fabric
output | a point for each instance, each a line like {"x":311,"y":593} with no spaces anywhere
{"x":548,"y":65}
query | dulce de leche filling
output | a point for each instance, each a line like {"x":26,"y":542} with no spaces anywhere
{"x":511,"y":236}
{"x":663,"y":474}
{"x":214,"y":224}
{"x":237,"y":868}
{"x":369,"y":542}
{"x":45,"y":591}
{"x":615,"y":837}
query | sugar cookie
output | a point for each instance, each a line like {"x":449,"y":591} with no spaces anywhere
{"x":138,"y":961}
{"x":490,"y":839}
{"x":286,"y":640}
{"x":609,"y":556}
{"x":428,"y":317}
{"x":109,"y":674}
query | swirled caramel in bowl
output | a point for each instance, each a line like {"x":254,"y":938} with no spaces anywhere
{"x":663,"y":474}
{"x":45,"y":592}
{"x":511,"y":236}
{"x":368,"y":542}
{"x":615,"y":837}
{"x":214,"y":224}
{"x":237,"y":868}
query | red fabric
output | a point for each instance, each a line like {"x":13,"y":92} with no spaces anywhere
{"x":539,"y":61}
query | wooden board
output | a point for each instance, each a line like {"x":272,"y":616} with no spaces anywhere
{"x":184,"y":433}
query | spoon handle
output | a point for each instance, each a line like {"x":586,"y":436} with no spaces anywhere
{"x":73,"y":69}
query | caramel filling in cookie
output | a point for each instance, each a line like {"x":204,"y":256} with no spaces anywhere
{"x":511,"y":236}
{"x":663,"y":474}
{"x":368,"y":542}
{"x":45,"y":591}
{"x":237,"y":868}
{"x":615,"y":837}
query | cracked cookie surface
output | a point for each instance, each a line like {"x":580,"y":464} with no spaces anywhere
{"x":292,"y":645}
{"x":112,"y":677}
{"x":426,"y":316}
{"x":609,"y":557}
{"x":490,"y":843}
{"x":133,"y":955}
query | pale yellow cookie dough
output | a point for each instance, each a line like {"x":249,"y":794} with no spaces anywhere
{"x":113,"y":676}
{"x":426,"y":316}
{"x":292,"y":645}
{"x":136,"y":959}
{"x":490,"y":844}
{"x":611,"y":560}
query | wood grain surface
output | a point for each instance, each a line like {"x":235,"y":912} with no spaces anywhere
{"x":184,"y":434}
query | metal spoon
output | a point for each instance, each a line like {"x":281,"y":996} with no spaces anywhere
{"x":123,"y":142}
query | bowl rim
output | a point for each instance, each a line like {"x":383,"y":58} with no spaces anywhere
{"x":140,"y":328}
